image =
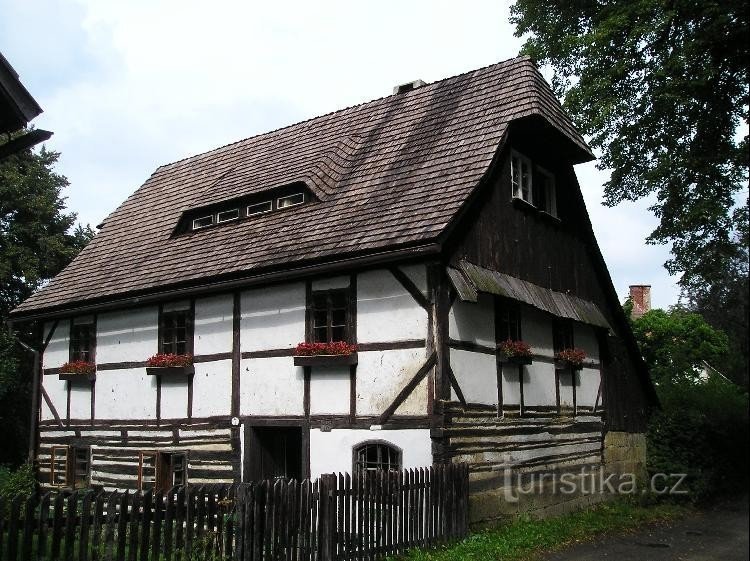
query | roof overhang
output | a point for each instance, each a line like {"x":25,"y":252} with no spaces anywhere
{"x":17,"y":107}
{"x":469,"y":280}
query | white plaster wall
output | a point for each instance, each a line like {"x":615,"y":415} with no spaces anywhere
{"x":212,"y":388}
{"x":584,"y":337}
{"x":213,"y":325}
{"x":588,"y":386}
{"x":271,"y":386}
{"x":80,"y":400}
{"x":57,"y":391}
{"x":386,"y":311}
{"x":511,"y":387}
{"x":331,"y":452}
{"x":473,"y":322}
{"x":125,"y":394}
{"x":273,"y":318}
{"x":539,"y":384}
{"x":329,"y":390}
{"x":127,"y":336}
{"x":567,"y":379}
{"x":174,"y":397}
{"x":381,"y":375}
{"x":476,"y":375}
{"x":418,"y":275}
{"x":536,"y":330}
{"x":57,"y":352}
{"x":331,"y":282}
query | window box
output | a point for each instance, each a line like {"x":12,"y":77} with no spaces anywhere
{"x":76,"y":377}
{"x":514,"y":351}
{"x":570,"y":358}
{"x":170,"y":370}
{"x":326,"y":360}
{"x":568,"y":365}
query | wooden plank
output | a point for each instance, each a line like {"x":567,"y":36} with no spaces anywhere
{"x":200,"y":518}
{"x":13,"y":527}
{"x":85,"y":525}
{"x":145,"y":534}
{"x":278,"y":507}
{"x":28,"y":525}
{"x":70,"y":525}
{"x":42,"y":526}
{"x":135,"y":516}
{"x":181,"y":520}
{"x":314,"y":527}
{"x":109,"y":529}
{"x":169,"y":512}
{"x":122,"y":526}
{"x":260,"y":491}
{"x":98,"y":520}
{"x":156,"y":525}
{"x":2,"y":526}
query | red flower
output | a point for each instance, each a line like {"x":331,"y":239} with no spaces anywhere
{"x":571,"y":356}
{"x":334,"y":348}
{"x":78,"y":367}
{"x":515,"y":348}
{"x":166,"y":360}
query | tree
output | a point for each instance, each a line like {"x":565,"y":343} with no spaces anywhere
{"x":661,"y":87}
{"x":37,"y":239}
{"x":675,"y":343}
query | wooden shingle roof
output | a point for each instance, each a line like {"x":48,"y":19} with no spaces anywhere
{"x":391,"y":173}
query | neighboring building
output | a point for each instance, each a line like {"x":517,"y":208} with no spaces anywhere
{"x":640,"y":297}
{"x":424,"y":227}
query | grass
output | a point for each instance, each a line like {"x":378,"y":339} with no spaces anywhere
{"x":526,"y":538}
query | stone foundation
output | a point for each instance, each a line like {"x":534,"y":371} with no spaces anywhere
{"x":625,"y":452}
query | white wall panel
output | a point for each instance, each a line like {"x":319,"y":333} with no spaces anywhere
{"x":418,"y":275}
{"x":174,"y":392}
{"x":567,"y":379}
{"x":331,"y":452}
{"x":271,"y":386}
{"x":57,"y":391}
{"x":584,"y":337}
{"x":476,"y":375}
{"x":125,"y":394}
{"x":382,"y":374}
{"x":80,"y":400}
{"x":329,"y":390}
{"x":212,"y":388}
{"x":213,"y":325}
{"x":536,"y":330}
{"x":127,"y":336}
{"x":331,"y":282}
{"x":386,"y":311}
{"x":511,"y":385}
{"x":273,"y":318}
{"x":539,"y":384}
{"x":57,"y":352}
{"x":473,"y":322}
{"x":588,"y":387}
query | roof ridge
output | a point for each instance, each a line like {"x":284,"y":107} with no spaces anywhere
{"x":519,"y":58}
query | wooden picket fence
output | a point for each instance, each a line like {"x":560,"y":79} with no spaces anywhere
{"x":336,"y":517}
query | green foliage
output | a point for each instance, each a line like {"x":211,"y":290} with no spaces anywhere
{"x":525,"y":536}
{"x":702,"y":430}
{"x":37,"y":240}
{"x":18,"y":482}
{"x":675,"y":343}
{"x":661,"y":88}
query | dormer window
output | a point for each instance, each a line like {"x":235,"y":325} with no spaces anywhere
{"x":545,"y":197}
{"x":290,"y":200}
{"x":260,"y":208}
{"x":203,"y":222}
{"x":227,"y":215}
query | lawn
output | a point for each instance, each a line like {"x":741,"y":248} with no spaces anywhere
{"x":526,"y":538}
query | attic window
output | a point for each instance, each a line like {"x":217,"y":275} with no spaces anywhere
{"x":545,"y":198}
{"x":520,"y":175}
{"x":203,"y":222}
{"x":260,"y":208}
{"x":227,"y":215}
{"x":290,"y":200}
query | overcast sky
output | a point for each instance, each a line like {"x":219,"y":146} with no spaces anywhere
{"x":128,"y":86}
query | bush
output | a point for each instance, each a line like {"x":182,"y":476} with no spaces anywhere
{"x":18,"y":482}
{"x":702,"y":430}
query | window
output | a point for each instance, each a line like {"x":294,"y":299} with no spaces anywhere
{"x":203,"y":222}
{"x":260,"y":208}
{"x":227,"y":215}
{"x":545,"y":197}
{"x":290,"y":200}
{"x":520,"y":174}
{"x":562,"y":334}
{"x":372,"y":456}
{"x":175,"y":328}
{"x":507,"y":320}
{"x":59,"y":466}
{"x":161,"y":470}
{"x":330,"y":314}
{"x":81,"y":456}
{"x":82,"y":339}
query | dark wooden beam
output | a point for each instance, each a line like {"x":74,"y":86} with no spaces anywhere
{"x":23,"y":142}
{"x":410,"y":287}
{"x":408,"y":388}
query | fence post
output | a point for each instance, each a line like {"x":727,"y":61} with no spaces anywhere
{"x":327,"y":516}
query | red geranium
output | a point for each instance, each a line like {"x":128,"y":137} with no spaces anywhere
{"x":334,"y":348}
{"x":165,"y":360}
{"x":515,"y":348}
{"x":78,"y":367}
{"x":573,"y":356}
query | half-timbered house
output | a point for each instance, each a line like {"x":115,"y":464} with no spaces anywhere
{"x":424,"y":228}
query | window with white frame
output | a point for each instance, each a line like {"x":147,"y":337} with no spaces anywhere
{"x":521,"y":176}
{"x":545,"y":197}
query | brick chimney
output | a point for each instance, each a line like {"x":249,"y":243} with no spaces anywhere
{"x":640,"y":295}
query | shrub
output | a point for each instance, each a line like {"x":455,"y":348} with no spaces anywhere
{"x":18,"y":482}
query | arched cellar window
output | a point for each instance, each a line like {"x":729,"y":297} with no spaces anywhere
{"x":375,"y":455}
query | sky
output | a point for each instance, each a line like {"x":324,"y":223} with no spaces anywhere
{"x":129,"y":86}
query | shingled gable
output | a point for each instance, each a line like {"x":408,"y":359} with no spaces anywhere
{"x":388,"y":175}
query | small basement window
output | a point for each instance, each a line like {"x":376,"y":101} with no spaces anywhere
{"x":227,"y":215}
{"x":373,"y":456}
{"x":81,"y":466}
{"x":520,"y":174}
{"x":203,"y":222}
{"x":59,"y":466}
{"x":290,"y":200}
